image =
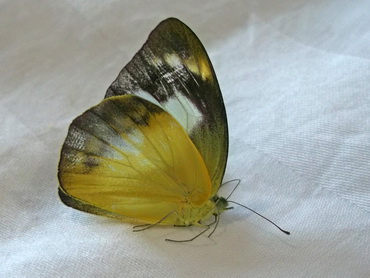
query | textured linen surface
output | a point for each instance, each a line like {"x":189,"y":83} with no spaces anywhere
{"x":295,"y":80}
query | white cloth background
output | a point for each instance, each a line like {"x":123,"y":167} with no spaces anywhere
{"x":295,"y":80}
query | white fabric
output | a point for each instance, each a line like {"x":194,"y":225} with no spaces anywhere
{"x":295,"y":80}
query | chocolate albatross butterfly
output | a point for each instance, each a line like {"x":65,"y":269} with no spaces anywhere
{"x":155,"y":150}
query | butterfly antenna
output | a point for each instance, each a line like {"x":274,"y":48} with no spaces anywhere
{"x":285,"y":232}
{"x":236,"y":186}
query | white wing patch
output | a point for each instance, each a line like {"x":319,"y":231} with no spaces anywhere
{"x":147,"y":96}
{"x":185,"y":112}
{"x":173,"y":60}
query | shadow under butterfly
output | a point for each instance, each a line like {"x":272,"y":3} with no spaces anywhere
{"x":154,"y":151}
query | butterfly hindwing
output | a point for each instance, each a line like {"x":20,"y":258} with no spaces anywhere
{"x":128,"y":158}
{"x":173,"y":70}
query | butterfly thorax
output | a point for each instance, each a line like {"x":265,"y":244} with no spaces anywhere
{"x":190,"y":215}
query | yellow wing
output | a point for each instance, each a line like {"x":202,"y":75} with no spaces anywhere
{"x":128,"y":158}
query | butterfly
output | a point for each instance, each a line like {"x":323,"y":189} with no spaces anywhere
{"x":154,"y":151}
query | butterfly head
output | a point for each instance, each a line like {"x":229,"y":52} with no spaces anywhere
{"x":221,"y":204}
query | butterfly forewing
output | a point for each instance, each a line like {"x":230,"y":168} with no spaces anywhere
{"x":173,"y":70}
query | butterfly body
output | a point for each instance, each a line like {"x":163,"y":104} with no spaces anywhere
{"x":182,"y":214}
{"x":155,"y":150}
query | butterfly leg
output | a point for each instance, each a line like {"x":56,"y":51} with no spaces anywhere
{"x":207,"y":227}
{"x":143,"y":227}
{"x":217,"y":220}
